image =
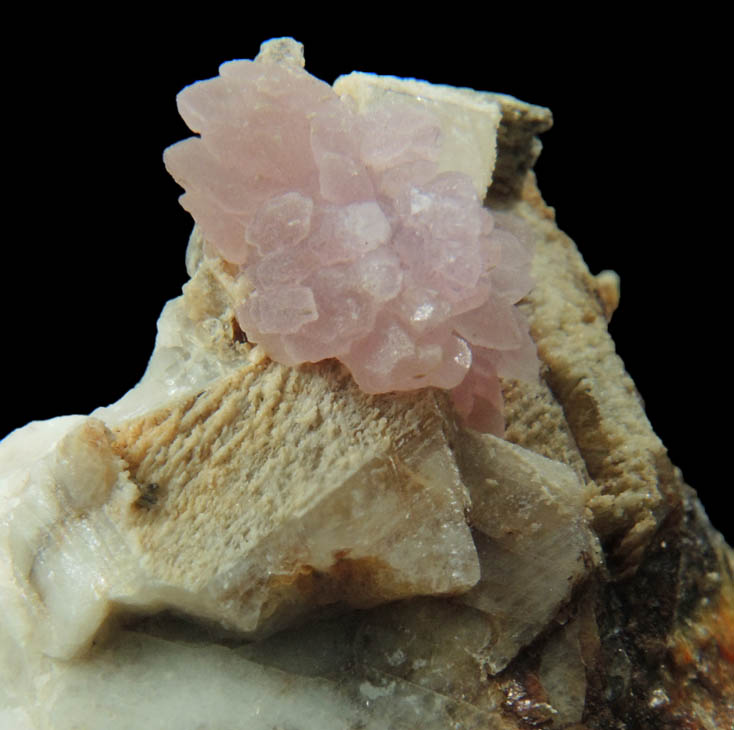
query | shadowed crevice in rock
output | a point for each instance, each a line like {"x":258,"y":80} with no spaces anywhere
{"x":667,"y":636}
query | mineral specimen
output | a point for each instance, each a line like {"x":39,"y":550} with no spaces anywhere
{"x":353,"y":240}
{"x":574,"y":579}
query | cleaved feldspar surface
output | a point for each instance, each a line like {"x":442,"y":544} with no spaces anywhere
{"x":353,"y":239}
{"x":249,"y":505}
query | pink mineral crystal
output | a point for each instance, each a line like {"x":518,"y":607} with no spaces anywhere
{"x":353,"y":245}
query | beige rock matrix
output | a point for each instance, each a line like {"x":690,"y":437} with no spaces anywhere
{"x":246,"y":542}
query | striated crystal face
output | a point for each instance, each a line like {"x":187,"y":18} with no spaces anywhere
{"x":352,"y":242}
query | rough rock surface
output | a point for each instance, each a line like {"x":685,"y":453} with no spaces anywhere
{"x":335,"y":483}
{"x":627,"y":621}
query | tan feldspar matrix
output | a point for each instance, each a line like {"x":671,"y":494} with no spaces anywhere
{"x":396,"y":568}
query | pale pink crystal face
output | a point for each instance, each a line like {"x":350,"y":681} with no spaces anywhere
{"x":354,"y":246}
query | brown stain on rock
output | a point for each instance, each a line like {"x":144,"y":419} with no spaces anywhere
{"x":356,"y":582}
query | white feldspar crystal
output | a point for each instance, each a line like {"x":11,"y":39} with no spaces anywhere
{"x":532,"y":534}
{"x":469,"y":119}
{"x":138,"y":681}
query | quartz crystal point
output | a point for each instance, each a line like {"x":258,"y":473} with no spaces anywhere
{"x":356,"y":221}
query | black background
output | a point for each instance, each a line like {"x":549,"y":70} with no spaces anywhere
{"x":94,"y":238}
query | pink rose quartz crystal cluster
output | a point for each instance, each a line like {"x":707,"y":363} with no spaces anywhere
{"x":353,"y":245}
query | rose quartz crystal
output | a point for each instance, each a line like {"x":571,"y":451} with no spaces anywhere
{"x":353,"y":245}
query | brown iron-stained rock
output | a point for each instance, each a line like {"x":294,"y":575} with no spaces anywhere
{"x":601,"y":406}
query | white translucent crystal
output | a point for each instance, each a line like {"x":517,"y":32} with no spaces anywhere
{"x":463,"y":114}
{"x":532,"y":535}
